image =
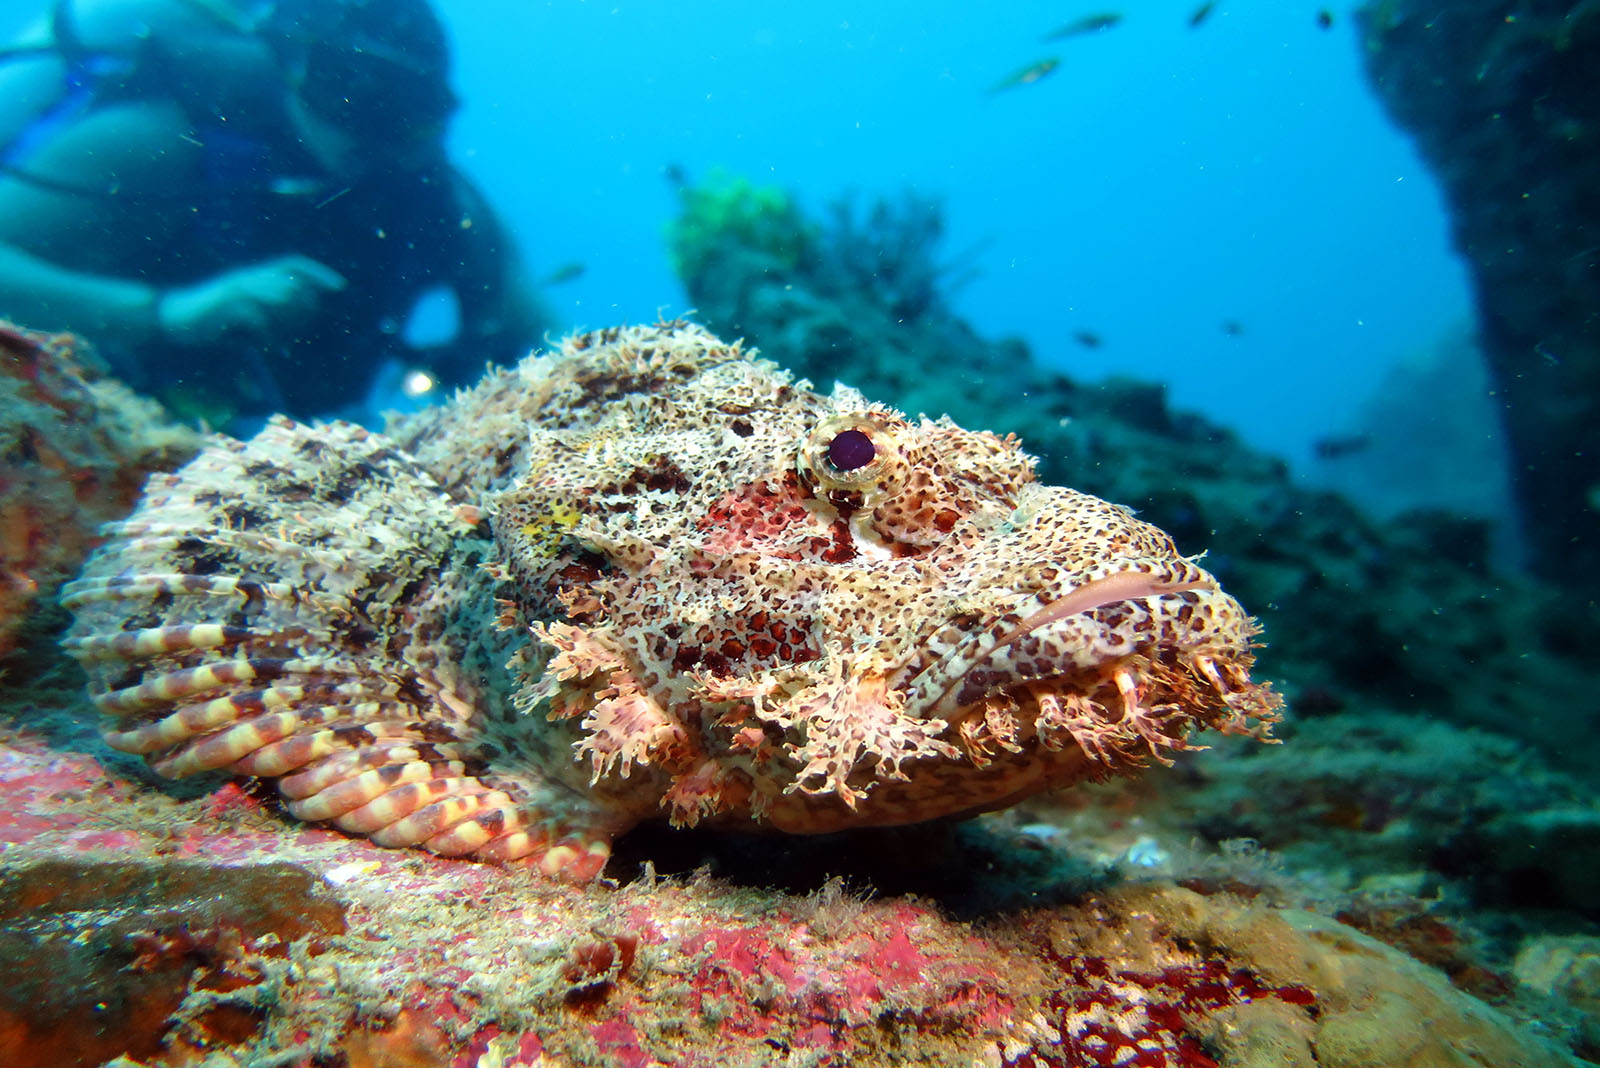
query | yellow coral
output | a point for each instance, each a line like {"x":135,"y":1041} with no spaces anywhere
{"x":728,"y":209}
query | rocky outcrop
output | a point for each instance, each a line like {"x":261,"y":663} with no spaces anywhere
{"x":1504,"y":102}
{"x":75,"y":448}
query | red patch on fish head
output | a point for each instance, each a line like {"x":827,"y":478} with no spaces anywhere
{"x":774,"y":517}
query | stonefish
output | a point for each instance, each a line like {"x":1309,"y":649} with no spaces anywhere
{"x":646,"y":576}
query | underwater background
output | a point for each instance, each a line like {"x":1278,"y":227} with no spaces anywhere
{"x":1311,"y":287}
{"x":1164,"y":182}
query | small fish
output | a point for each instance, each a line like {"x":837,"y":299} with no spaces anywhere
{"x":1336,"y":446}
{"x":331,"y":197}
{"x":1030,"y":74}
{"x":1233,"y":328}
{"x":1086,"y":25}
{"x":1087,"y":338}
{"x":1325,"y":19}
{"x":567,"y":272}
{"x":1201,"y":13}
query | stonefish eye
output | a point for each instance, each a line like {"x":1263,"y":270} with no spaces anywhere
{"x":851,"y":449}
{"x":860,"y":455}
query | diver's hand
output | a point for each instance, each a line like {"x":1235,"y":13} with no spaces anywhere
{"x":250,"y":303}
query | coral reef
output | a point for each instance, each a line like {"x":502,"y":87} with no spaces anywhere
{"x":75,"y":448}
{"x":1368,"y":802}
{"x":364,"y":956}
{"x":885,"y":250}
{"x":1403,"y":614}
{"x":1504,"y":105}
{"x":1136,"y":924}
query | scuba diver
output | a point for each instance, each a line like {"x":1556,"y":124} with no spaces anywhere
{"x":243,"y":203}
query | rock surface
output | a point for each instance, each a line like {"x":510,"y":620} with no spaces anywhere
{"x":75,"y":448}
{"x":309,"y":948}
{"x":1505,"y":106}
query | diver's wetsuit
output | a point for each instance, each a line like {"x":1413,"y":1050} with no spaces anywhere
{"x":258,"y":194}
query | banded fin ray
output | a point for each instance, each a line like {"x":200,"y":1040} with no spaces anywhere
{"x":285,"y":608}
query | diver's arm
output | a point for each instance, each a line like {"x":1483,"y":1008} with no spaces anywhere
{"x":250,"y":303}
{"x":76,"y":260}
{"x":39,"y":294}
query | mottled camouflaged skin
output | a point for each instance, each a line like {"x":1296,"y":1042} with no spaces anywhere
{"x":646,"y":576}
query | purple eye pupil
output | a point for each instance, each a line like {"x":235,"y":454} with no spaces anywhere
{"x":850,"y":449}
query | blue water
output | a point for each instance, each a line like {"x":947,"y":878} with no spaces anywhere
{"x":1161,"y":182}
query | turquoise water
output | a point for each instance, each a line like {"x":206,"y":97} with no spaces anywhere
{"x":1163,"y":181}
